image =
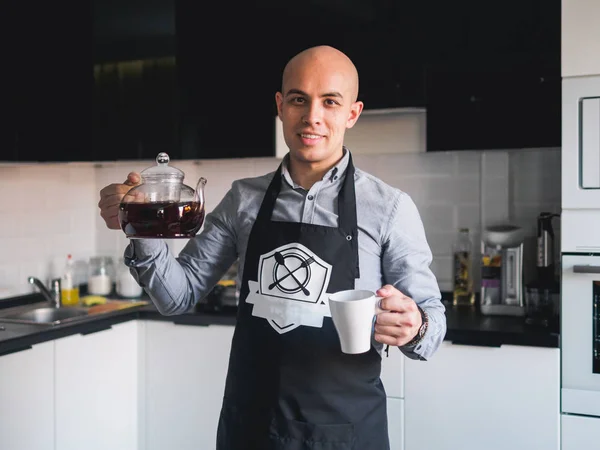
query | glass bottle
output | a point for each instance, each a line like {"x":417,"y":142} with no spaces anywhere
{"x":69,"y":290}
{"x":100,"y":276}
{"x":462,"y":292}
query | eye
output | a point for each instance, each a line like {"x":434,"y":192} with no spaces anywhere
{"x":297,"y":100}
{"x":331,"y":102}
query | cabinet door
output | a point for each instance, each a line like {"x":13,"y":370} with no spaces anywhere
{"x":579,"y":433}
{"x":476,"y":108}
{"x":97,"y":389}
{"x":53,"y":78}
{"x":27,"y":399}
{"x":392,"y":372}
{"x":395,"y":411}
{"x":185,"y":369}
{"x":135,"y":109}
{"x":580,"y":38}
{"x":228,"y":87}
{"x":481,"y":397}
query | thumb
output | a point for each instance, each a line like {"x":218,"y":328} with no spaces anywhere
{"x":133,"y":179}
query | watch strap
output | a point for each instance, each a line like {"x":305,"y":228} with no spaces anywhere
{"x":422,"y":329}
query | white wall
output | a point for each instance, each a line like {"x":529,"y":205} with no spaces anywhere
{"x":49,"y":210}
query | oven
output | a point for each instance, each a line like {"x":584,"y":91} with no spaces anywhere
{"x":580,"y":334}
{"x":580,"y":258}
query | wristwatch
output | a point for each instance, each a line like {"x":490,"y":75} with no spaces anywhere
{"x":422,"y":329}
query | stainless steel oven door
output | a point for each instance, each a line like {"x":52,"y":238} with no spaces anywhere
{"x":580,"y":334}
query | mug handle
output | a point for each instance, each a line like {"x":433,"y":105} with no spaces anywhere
{"x":378,"y":309}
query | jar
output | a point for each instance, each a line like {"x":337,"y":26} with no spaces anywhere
{"x":126,"y":285}
{"x":100,"y":275}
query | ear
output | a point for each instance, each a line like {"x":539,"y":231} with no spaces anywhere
{"x":279,"y":102}
{"x":355,"y":111}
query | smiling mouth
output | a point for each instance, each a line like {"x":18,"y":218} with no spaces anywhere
{"x":310,"y":136}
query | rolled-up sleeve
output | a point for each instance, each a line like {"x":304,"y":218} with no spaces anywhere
{"x":406,"y":261}
{"x":176,"y":284}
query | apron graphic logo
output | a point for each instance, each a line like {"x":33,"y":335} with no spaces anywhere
{"x":290,"y":290}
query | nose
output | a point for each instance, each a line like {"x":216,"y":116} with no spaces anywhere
{"x":313,"y":114}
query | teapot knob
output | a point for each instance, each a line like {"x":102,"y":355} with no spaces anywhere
{"x":162,"y":158}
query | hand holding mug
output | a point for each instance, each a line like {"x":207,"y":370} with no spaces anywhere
{"x":400,"y":321}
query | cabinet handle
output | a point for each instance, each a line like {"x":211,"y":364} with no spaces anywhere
{"x":16,"y":350}
{"x":95,"y":330}
{"x":476,"y":344}
{"x":586,"y":269}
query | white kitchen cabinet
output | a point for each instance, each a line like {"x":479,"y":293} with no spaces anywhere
{"x":395,"y":411}
{"x":27,"y":399}
{"x":483,"y":398}
{"x":392,"y":372}
{"x":580,"y":29}
{"x":97,"y":389}
{"x":185,"y":368}
{"x":580,"y":433}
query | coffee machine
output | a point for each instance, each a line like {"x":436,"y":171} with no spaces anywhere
{"x":502,"y":270}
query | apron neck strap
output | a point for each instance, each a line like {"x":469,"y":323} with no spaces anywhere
{"x":346,"y":198}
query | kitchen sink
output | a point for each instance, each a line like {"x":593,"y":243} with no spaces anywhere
{"x":46,"y":315}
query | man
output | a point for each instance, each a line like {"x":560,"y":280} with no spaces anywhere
{"x":332,"y":227}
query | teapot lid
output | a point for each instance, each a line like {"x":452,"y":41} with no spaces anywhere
{"x":162,"y":169}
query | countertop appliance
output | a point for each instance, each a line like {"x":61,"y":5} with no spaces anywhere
{"x":580,"y":256}
{"x":502,"y":270}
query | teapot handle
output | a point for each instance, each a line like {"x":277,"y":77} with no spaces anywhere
{"x":199,"y":192}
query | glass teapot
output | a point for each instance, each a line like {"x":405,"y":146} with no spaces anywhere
{"x":162,"y":206}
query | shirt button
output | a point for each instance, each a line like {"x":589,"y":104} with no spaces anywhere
{"x":310,"y":197}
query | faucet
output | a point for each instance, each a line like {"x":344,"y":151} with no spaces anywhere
{"x":52,"y":296}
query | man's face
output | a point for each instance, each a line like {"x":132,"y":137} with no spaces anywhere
{"x":316,"y":108}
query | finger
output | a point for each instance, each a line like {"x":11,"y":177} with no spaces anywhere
{"x":388,"y":291}
{"x":112,"y":221}
{"x":133,"y":179}
{"x":395,"y":332}
{"x":391,"y":340}
{"x":110,"y":201}
{"x":114,"y":189}
{"x":396,"y":319}
{"x":398,"y":303}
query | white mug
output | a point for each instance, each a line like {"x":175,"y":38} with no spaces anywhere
{"x":352,"y":312}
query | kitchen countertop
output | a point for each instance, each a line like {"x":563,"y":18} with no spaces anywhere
{"x":466,"y":326}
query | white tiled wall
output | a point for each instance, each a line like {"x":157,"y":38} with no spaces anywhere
{"x":46,"y":212}
{"x":49,"y":210}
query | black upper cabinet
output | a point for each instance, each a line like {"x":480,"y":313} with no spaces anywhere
{"x":228,"y":79}
{"x":136,"y":111}
{"x":48,"y":97}
{"x":127,"y":30}
{"x":198,"y":79}
{"x":494,"y":82}
{"x":135,"y":93}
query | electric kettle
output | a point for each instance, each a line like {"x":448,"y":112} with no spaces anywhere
{"x":162,"y":206}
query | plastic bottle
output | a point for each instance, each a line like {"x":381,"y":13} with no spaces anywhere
{"x":69,"y":290}
{"x":462,"y":270}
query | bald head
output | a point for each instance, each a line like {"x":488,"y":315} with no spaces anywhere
{"x":319,"y":59}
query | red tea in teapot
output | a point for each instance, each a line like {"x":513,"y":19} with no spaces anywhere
{"x":161,"y":219}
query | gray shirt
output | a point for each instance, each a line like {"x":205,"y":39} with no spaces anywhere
{"x":393,"y":248}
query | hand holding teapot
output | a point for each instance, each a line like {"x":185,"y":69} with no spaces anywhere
{"x":160,"y":206}
{"x":110,"y":199}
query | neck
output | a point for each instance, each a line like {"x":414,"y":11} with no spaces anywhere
{"x":306,"y":174}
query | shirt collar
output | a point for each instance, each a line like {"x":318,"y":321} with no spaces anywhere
{"x":334,"y":174}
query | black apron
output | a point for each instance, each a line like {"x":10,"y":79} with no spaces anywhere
{"x":289,"y":386}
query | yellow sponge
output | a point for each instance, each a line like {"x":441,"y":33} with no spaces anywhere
{"x":91,"y":300}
